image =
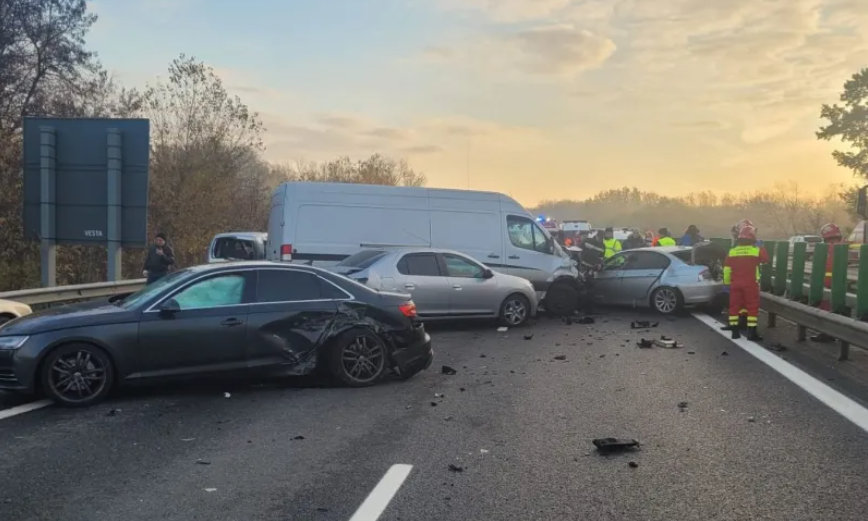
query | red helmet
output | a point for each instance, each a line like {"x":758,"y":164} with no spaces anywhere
{"x":831,"y":231}
{"x":747,"y":232}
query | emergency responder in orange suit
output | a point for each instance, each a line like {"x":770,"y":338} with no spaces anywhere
{"x":741,"y":274}
{"x":832,"y":236}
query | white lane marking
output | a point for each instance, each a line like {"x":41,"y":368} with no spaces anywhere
{"x":835,"y":400}
{"x":21,"y":409}
{"x":379,"y":498}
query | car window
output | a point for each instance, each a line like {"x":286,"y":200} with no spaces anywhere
{"x":152,"y":290}
{"x":363,"y":259}
{"x":685,"y":256}
{"x":234,"y":248}
{"x":460,"y":267}
{"x":424,"y":264}
{"x":615,"y":263}
{"x":646,"y":260}
{"x":527,"y":235}
{"x":287,"y":285}
{"x":222,"y":290}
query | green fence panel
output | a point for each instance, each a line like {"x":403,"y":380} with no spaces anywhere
{"x":797,"y":279}
{"x":766,"y":269}
{"x":782,"y":259}
{"x":840,"y":266}
{"x":862,"y":284}
{"x":818,"y":274}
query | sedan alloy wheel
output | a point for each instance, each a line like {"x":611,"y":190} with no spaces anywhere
{"x":359,"y":358}
{"x":77,"y":375}
{"x":515,"y":310}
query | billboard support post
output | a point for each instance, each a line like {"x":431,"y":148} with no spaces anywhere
{"x":114,"y":151}
{"x":47,"y":192}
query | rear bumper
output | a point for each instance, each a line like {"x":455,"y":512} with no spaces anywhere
{"x":416,"y":354}
{"x":703,"y":293}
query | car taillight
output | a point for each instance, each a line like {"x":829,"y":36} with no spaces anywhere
{"x":286,"y":252}
{"x":408,"y":309}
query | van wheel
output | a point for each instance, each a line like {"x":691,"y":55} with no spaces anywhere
{"x":562,"y":298}
{"x":515,"y":310}
{"x":667,"y":301}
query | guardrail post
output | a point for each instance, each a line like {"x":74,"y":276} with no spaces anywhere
{"x":766,"y":269}
{"x":782,"y":259}
{"x":840,"y":266}
{"x":862,"y":284}
{"x":818,"y":274}
{"x":797,"y":279}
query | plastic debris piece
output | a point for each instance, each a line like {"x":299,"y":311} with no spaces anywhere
{"x":210,"y":490}
{"x":299,"y":437}
{"x":113,"y":412}
{"x":433,"y":404}
{"x":202,"y":462}
{"x":187,"y":439}
{"x":561,"y":357}
{"x":610,"y":445}
{"x":645,"y":344}
{"x":528,"y":337}
{"x":448,"y":370}
{"x":724,"y":354}
{"x":227,"y":395}
{"x":502,"y":329}
{"x":633,"y":465}
{"x":455,"y":468}
{"x":682,"y":406}
{"x":751,"y":419}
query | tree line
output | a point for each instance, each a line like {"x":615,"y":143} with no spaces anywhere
{"x":207,"y":172}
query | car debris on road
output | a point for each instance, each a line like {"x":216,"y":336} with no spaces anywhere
{"x":612,"y":445}
{"x":448,"y":370}
{"x":455,"y":468}
{"x":643,"y":324}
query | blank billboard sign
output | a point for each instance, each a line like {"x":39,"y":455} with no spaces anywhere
{"x":83,"y":175}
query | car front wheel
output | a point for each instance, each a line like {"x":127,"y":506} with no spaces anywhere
{"x":358,"y":358}
{"x":562,"y":298}
{"x":77,"y":375}
{"x":667,"y":301}
{"x":515,"y":310}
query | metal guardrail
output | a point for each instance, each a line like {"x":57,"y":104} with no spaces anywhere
{"x":61,"y":294}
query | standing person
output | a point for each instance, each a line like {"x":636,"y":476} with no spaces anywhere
{"x":611,"y":245}
{"x":691,"y":236}
{"x":832,"y":236}
{"x":741,"y":273}
{"x":159,"y":259}
{"x":634,"y":241}
{"x":665,"y":238}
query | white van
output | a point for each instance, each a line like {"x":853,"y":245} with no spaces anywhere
{"x":323,"y":223}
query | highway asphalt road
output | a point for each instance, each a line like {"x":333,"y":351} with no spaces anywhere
{"x":748,"y":444}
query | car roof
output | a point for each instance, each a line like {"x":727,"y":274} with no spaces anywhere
{"x":241,"y":235}
{"x":228,"y":266}
{"x":420,"y":249}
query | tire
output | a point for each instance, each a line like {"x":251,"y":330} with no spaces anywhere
{"x":358,"y":358}
{"x":77,"y":375}
{"x":515,"y":310}
{"x":5,"y":317}
{"x":667,"y":301}
{"x":562,"y":298}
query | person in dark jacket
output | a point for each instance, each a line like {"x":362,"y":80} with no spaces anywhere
{"x":691,"y":236}
{"x":159,"y":259}
{"x":635,"y":240}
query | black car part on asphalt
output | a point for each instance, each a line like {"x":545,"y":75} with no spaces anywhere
{"x":243,"y":319}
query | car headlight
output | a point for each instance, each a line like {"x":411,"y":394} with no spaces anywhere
{"x":12,"y":342}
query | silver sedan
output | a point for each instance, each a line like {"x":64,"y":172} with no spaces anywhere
{"x":664,"y":278}
{"x":444,"y":284}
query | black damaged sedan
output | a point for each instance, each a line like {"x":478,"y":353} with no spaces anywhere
{"x":239,"y":319}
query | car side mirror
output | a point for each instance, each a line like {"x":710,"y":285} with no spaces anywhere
{"x":169,"y":308}
{"x":487,"y":274}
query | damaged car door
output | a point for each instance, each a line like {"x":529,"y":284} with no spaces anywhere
{"x":290,"y":314}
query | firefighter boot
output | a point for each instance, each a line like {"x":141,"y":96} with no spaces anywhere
{"x":752,"y":334}
{"x":736,"y":333}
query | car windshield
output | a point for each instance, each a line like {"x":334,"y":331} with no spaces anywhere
{"x":813,"y":239}
{"x":362,"y":260}
{"x":148,"y":292}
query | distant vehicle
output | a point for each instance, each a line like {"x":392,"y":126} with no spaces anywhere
{"x":810,"y":241}
{"x":575,"y":230}
{"x":324,"y":223}
{"x":444,"y":284}
{"x":255,"y":318}
{"x":10,"y":310}
{"x":661,"y":278}
{"x":237,"y":246}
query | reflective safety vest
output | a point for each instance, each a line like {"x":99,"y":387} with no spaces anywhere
{"x":612,"y":246}
{"x":666,"y":241}
{"x":741,"y":267}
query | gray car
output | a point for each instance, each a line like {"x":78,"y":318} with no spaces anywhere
{"x":444,"y":284}
{"x":663,"y":278}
